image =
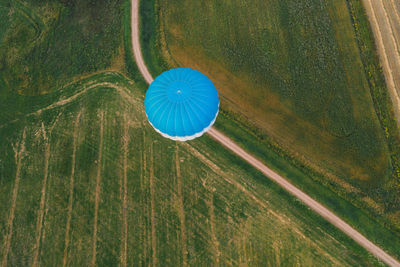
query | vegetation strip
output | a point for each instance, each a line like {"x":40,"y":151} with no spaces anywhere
{"x":181,"y":207}
{"x":384,"y":106}
{"x":19,"y":151}
{"x":211,"y":213}
{"x":97,"y":197}
{"x":39,"y":223}
{"x":124,"y":232}
{"x":71,"y":189}
{"x":152,"y":203}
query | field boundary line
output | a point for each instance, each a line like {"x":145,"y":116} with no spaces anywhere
{"x":18,"y":159}
{"x":97,"y":197}
{"x":71,"y":189}
{"x":181,"y":208}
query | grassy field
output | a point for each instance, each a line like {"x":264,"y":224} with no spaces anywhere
{"x":45,"y":44}
{"x":85,"y":180}
{"x":305,"y":81}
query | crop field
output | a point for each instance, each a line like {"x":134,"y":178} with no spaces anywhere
{"x":85,"y":180}
{"x":292,"y":68}
{"x":291,"y":71}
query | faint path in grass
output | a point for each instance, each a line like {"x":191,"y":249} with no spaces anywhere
{"x":152,"y":203}
{"x":71,"y":188}
{"x":386,"y":44}
{"x":97,"y":196}
{"x":39,"y":222}
{"x":181,"y":207}
{"x":211,"y":214}
{"x":124,"y":232}
{"x":121,"y":90}
{"x":19,"y":151}
{"x":229,"y":144}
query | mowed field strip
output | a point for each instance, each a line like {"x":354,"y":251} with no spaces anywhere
{"x":320,"y":209}
{"x":385,"y":21}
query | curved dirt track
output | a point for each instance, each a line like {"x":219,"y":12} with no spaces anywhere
{"x":228,"y":143}
{"x":384,"y":17}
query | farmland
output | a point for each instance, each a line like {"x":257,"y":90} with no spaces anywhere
{"x":291,"y":74}
{"x":85,"y":180}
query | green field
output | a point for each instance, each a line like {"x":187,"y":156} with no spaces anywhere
{"x":45,"y":44}
{"x":84,"y":178}
{"x":303,"y":78}
{"x":157,"y":201}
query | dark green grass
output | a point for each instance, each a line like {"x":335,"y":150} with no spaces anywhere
{"x":41,"y":53}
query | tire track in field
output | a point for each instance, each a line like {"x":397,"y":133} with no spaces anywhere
{"x":395,"y":12}
{"x":384,"y":56}
{"x":223,"y":175}
{"x":143,"y":201}
{"x":39,"y":222}
{"x":123,"y":91}
{"x":181,"y":208}
{"x":18,"y":159}
{"x":392,"y":33}
{"x":46,"y":205}
{"x":213,"y":230}
{"x":124,"y":232}
{"x":97,"y":197}
{"x":71,"y":189}
{"x":152,"y":203}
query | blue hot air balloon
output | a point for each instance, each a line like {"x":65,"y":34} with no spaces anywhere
{"x":181,"y":104}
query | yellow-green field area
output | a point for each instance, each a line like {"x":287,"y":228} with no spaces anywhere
{"x":85,"y":179}
{"x":291,"y":71}
{"x":291,"y":67}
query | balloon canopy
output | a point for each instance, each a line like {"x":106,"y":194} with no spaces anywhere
{"x":181,"y":104}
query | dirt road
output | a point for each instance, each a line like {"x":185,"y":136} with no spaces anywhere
{"x":384,"y":17}
{"x":225,"y":141}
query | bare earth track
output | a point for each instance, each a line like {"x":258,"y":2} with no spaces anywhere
{"x":225,"y":141}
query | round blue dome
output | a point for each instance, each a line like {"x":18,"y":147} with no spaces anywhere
{"x":181,"y":104}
